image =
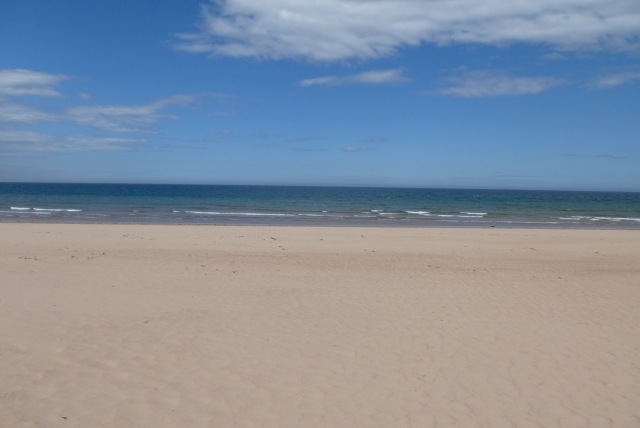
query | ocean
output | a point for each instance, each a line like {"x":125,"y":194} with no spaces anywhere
{"x":315,"y":206}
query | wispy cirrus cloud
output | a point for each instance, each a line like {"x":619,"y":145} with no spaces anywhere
{"x":610,"y":156}
{"x":333,"y":30}
{"x":495,"y":83}
{"x":374,"y":77}
{"x":309,"y":139}
{"x":18,"y":113}
{"x":357,"y":149}
{"x":307,"y":144}
{"x":19,"y":120}
{"x":20,"y":82}
{"x":607,"y":156}
{"x":127,"y":118}
{"x":308,"y":149}
{"x":20,"y":142}
{"x":376,"y":139}
{"x":615,"y":79}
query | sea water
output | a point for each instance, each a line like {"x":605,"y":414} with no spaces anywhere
{"x":331,"y":206}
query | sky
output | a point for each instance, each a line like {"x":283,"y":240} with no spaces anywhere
{"x":518,"y":94}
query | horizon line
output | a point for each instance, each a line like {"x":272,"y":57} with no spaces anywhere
{"x":356,"y":186}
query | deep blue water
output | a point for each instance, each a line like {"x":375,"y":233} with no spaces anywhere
{"x":340,"y":206}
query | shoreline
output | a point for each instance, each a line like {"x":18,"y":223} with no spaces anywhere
{"x":152,"y":325}
{"x":370,"y":224}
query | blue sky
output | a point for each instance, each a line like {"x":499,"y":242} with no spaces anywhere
{"x":418,"y":93}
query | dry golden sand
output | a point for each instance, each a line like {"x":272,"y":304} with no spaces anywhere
{"x":207,"y":326}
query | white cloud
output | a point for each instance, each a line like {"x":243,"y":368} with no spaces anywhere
{"x":610,"y":156}
{"x":375,"y":77}
{"x":117,"y":118}
{"x":19,"y":82}
{"x":486,"y":83}
{"x":310,"y":139}
{"x":329,"y":30}
{"x":376,"y":139}
{"x":133,"y":118}
{"x":308,"y":149}
{"x":354,"y":149}
{"x":18,"y":137}
{"x":18,"y":142}
{"x":11,"y":112}
{"x":617,"y":79}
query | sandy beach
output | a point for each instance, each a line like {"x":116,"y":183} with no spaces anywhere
{"x":213,"y":326}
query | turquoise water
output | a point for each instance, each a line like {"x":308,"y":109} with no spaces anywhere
{"x":339,"y":206}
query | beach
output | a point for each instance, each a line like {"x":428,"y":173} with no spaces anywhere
{"x":115,"y":325}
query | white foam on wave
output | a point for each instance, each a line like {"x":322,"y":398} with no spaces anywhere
{"x":615,"y":219}
{"x":473,"y":214}
{"x":419,"y":212}
{"x":265,"y":214}
{"x":318,"y":215}
{"x":525,"y":222}
{"x":458,"y":216}
{"x":202,"y":212}
{"x":44,"y":210}
{"x":240,"y":214}
{"x":57,"y":209}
